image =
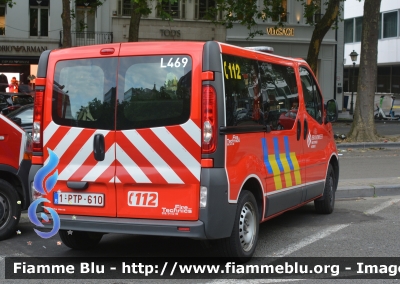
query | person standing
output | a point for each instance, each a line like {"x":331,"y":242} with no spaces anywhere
{"x":13,"y":87}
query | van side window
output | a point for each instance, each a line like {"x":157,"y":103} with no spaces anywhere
{"x":84,"y":93}
{"x":279,"y":94}
{"x":154,"y":91}
{"x":243,"y":100}
{"x":312,"y":96}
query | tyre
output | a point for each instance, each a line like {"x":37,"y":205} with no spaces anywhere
{"x":80,"y":240}
{"x":10,"y":210}
{"x":243,"y":240}
{"x":326,"y":203}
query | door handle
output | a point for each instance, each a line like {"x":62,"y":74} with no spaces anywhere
{"x":99,"y":147}
{"x":298,"y":129}
{"x":305,"y":129}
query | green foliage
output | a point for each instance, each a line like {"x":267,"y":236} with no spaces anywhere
{"x":141,"y":7}
{"x":10,"y":3}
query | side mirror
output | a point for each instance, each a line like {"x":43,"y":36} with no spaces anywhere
{"x":331,"y":110}
{"x":17,"y":121}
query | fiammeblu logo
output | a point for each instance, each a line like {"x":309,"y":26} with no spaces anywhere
{"x":49,"y":182}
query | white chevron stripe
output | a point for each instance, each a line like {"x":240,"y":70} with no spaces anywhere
{"x":158,"y":163}
{"x":66,"y":142}
{"x":179,"y":151}
{"x":49,"y":132}
{"x":193,"y":131}
{"x":102,"y":166}
{"x":80,"y":157}
{"x":130,"y":166}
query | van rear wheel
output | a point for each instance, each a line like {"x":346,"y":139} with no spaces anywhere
{"x":80,"y":240}
{"x":243,"y":240}
{"x":10,"y":210}
{"x":326,"y":203}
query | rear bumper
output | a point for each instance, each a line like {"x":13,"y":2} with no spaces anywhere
{"x":131,"y":226}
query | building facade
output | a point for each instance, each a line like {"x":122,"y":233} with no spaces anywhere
{"x":293,"y":41}
{"x":189,"y":22}
{"x":32,"y":26}
{"x":388,"y":74}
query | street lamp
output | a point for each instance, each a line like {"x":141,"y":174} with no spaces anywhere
{"x":353,"y":56}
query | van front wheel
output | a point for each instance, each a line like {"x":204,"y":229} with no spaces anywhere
{"x":326,"y":203}
{"x":243,"y":240}
{"x":80,"y":240}
{"x":10,"y":210}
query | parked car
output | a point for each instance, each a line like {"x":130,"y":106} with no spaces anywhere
{"x":13,"y":101}
{"x":15,"y":162}
{"x":23,"y":116}
{"x":26,"y":89}
{"x":287,"y":119}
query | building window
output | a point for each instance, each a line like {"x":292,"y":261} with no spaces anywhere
{"x":348,"y":84}
{"x":358,"y":29}
{"x":316,"y":15}
{"x":383,"y":80}
{"x":348,"y":30}
{"x":39,"y":18}
{"x":281,"y":11}
{"x":395,"y":80}
{"x":390,"y":24}
{"x":125,"y":7}
{"x":171,"y":8}
{"x":353,"y":30}
{"x":85,"y":19}
{"x":202,"y":8}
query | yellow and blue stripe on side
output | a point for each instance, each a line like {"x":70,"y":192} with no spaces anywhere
{"x":278,"y":163}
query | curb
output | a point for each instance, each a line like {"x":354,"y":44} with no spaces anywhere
{"x":368,"y":145}
{"x":367,"y":191}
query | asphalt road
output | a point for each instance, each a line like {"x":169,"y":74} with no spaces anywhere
{"x":362,"y":227}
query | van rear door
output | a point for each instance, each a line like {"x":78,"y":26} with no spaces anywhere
{"x":158,"y":134}
{"x":79,"y":127}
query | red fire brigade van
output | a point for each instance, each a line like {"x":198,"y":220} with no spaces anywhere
{"x":181,"y":139}
{"x":15,"y":162}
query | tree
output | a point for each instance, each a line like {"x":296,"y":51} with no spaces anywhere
{"x":139,"y":9}
{"x":247,"y":13}
{"x":66,"y":23}
{"x":363,"y":127}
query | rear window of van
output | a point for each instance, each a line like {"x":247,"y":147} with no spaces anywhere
{"x":140,"y":92}
{"x":153,"y":91}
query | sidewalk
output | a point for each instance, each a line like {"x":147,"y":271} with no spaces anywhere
{"x":367,"y":187}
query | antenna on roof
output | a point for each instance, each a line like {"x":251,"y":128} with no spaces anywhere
{"x":265,"y":49}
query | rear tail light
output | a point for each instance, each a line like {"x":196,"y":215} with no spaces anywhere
{"x":37,"y":131}
{"x":28,"y":147}
{"x":209,"y":119}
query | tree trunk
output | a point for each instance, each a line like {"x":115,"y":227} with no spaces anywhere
{"x":363,"y":127}
{"x":66,"y":23}
{"x":321,"y":28}
{"x":134,"y":23}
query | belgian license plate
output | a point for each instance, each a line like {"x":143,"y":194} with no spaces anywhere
{"x":79,"y":199}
